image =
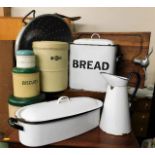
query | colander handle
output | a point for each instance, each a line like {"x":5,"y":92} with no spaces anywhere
{"x":33,"y":12}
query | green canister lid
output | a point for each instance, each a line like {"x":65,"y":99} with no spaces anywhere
{"x":26,"y":101}
{"x":25,"y":70}
{"x":24,"y":52}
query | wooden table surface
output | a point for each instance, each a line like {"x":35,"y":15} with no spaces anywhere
{"x":93,"y":138}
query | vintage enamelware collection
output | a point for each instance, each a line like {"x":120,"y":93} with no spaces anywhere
{"x":56,"y":58}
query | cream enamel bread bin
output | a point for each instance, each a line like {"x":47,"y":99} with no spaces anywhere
{"x":53,"y":121}
{"x":88,"y":57}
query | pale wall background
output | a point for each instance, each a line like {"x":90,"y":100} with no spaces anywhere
{"x":108,"y":20}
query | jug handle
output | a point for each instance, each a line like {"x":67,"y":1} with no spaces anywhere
{"x":138,"y":77}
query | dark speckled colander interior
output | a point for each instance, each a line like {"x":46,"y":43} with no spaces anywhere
{"x":45,"y":28}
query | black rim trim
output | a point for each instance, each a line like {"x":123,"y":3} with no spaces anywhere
{"x":94,"y":45}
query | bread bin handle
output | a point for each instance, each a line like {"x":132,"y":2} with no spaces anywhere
{"x":95,"y":34}
{"x":63,"y":99}
{"x":13,"y":123}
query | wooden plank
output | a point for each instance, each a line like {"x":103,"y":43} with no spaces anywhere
{"x":74,"y":93}
{"x":10,"y":27}
{"x":131,"y":45}
{"x":5,"y":11}
{"x":6,"y":64}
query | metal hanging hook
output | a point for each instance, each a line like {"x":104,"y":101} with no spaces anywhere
{"x":144,"y":62}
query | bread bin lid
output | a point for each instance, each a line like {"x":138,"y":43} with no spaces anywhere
{"x":64,"y":107}
{"x":24,"y":52}
{"x":94,"y":41}
{"x":87,"y":41}
{"x":16,"y":101}
{"x":50,"y":44}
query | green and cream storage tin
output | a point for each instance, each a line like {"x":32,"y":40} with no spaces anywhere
{"x":25,"y":59}
{"x":16,"y":103}
{"x":52,"y":60}
{"x":26,"y":82}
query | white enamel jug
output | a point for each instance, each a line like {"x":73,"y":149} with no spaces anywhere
{"x":115,"y":118}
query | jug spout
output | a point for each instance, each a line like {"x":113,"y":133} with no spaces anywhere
{"x":115,"y":81}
